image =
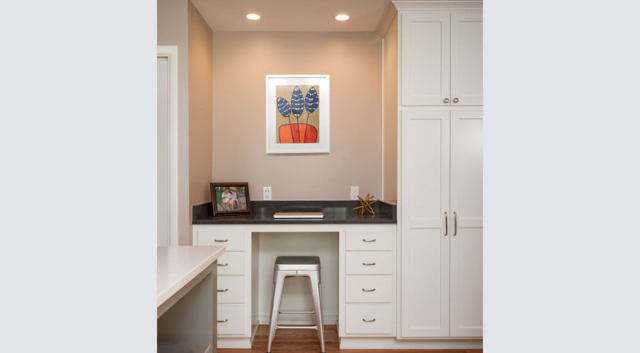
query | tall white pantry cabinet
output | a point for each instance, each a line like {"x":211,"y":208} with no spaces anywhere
{"x":440,"y":166}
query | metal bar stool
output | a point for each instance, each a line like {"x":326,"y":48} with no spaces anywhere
{"x":296,"y":266}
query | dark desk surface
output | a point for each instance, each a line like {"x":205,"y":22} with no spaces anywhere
{"x":335,"y":212}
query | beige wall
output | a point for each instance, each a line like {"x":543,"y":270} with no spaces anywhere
{"x":172,"y":30}
{"x":354,"y":61}
{"x":390,"y":126}
{"x":180,"y":24}
{"x":200,"y":107}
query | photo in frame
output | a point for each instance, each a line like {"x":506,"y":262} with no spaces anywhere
{"x":298,"y":114}
{"x":230,"y":198}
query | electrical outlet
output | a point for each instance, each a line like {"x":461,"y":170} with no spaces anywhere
{"x":355,"y":191}
{"x":266,"y":193}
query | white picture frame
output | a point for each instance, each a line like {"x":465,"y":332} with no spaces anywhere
{"x":297,"y":126}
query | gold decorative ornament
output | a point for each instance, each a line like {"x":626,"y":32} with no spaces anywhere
{"x":365,"y":205}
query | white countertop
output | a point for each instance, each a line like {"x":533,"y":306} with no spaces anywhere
{"x":177,"y":265}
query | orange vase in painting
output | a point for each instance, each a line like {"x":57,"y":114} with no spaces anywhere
{"x":298,"y":133}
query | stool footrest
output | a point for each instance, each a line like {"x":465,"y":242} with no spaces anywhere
{"x":300,"y":327}
{"x":296,"y":312}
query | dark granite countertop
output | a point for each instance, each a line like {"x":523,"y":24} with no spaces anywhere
{"x":335,"y":212}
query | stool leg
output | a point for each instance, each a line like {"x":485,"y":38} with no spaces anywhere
{"x":320,"y":291}
{"x":317,"y":303}
{"x":278,"y":284}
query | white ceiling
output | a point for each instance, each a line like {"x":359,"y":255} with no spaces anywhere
{"x":292,"y":15}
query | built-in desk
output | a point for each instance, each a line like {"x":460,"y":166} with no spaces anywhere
{"x":335,"y":212}
{"x":361,"y":315}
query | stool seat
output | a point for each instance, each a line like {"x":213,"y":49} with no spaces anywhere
{"x":297,"y":263}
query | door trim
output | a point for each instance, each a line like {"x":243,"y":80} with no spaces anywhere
{"x":171,"y":53}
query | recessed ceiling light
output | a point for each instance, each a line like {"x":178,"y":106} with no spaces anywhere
{"x":253,"y":16}
{"x":342,"y":17}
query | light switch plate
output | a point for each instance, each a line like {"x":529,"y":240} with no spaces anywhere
{"x":266,"y":193}
{"x":355,"y":191}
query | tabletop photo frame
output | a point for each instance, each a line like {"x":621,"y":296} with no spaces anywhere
{"x":230,"y":198}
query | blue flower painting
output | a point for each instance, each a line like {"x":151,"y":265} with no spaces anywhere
{"x":302,"y":104}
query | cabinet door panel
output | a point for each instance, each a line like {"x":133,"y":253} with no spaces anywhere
{"x":425,"y":247}
{"x":466,"y":283}
{"x":425,"y":168}
{"x":425,"y":52}
{"x":466,"y":240}
{"x":466,"y":58}
{"x":425,"y":284}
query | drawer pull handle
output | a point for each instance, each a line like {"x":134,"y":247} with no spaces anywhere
{"x":222,"y":265}
{"x":365,"y":320}
{"x":368,"y":241}
{"x":221,"y":240}
{"x":368,"y":264}
{"x":223,"y":290}
{"x":222,"y":321}
{"x":368,"y":290}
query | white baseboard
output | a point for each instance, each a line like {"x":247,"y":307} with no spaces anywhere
{"x":392,"y":343}
{"x":309,"y":319}
{"x":230,"y":342}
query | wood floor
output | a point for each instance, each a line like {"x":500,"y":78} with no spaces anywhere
{"x":306,"y":341}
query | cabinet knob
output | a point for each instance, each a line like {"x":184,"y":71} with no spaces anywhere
{"x":456,"y":100}
{"x":446,"y":100}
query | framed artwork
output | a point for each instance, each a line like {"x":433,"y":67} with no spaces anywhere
{"x":298,"y":114}
{"x":230,"y":198}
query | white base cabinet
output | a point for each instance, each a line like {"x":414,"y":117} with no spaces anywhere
{"x":367,"y":282}
{"x":441,"y":223}
{"x":366,"y":278}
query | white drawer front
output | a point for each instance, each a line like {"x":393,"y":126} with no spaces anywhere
{"x":231,"y":319}
{"x":231,"y":239}
{"x":231,"y":289}
{"x":369,"y":289}
{"x":369,"y":239}
{"x":369,"y":263}
{"x":231,"y":263}
{"x":369,"y":319}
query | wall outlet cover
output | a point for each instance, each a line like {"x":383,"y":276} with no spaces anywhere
{"x":355,"y":191}
{"x":266,"y":193}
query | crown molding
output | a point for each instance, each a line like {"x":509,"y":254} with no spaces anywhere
{"x":385,"y":21}
{"x":437,"y":4}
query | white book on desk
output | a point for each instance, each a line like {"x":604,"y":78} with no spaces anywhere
{"x":298,"y":215}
